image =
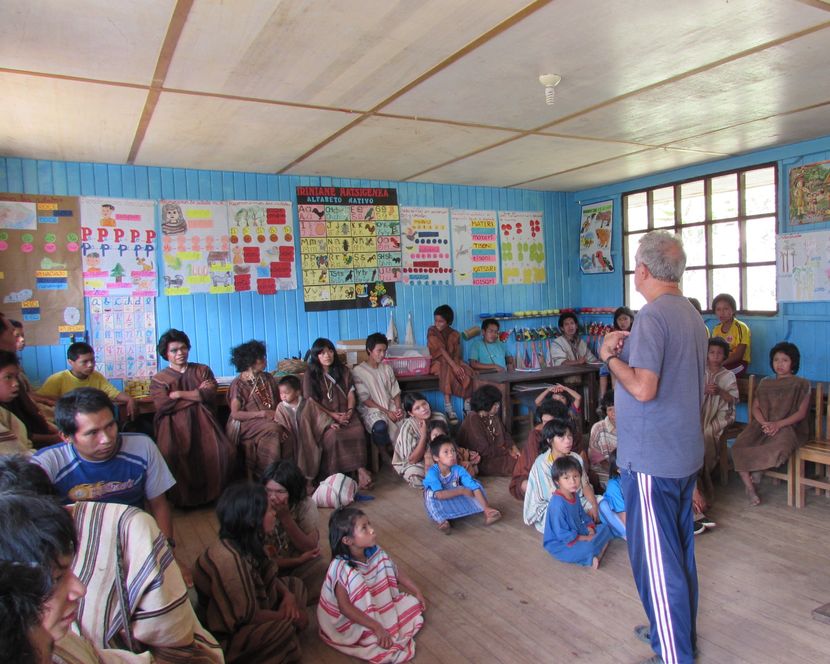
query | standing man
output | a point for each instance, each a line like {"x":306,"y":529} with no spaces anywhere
{"x":659,"y":367}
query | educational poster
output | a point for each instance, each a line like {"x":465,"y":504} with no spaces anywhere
{"x":810,"y":193}
{"x":522,"y":248}
{"x":475,"y":247}
{"x":261,"y":236}
{"x":803,"y":266}
{"x":195,"y":246}
{"x":350,"y":246}
{"x":40,"y":266}
{"x":123,"y":334}
{"x":118,"y":247}
{"x":595,"y":238}
{"x":425,"y":246}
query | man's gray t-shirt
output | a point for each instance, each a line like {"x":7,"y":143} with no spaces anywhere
{"x":663,"y":437}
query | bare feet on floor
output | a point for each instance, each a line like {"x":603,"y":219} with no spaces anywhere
{"x":444,"y":527}
{"x":491,"y":515}
{"x":754,"y":499}
{"x":364,"y":479}
{"x":598,"y":557}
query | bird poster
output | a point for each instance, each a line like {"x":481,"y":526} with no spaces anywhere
{"x":425,"y":246}
{"x":350,"y":246}
{"x":475,"y":247}
{"x":522,"y":248}
{"x":595,"y":238}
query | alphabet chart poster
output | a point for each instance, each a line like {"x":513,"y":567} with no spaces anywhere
{"x":119,"y":248}
{"x":261,"y":236}
{"x":427,"y":258}
{"x":595,"y":238}
{"x":522,"y":248}
{"x":350,"y":246}
{"x":476,"y":248}
{"x":40,"y":266}
{"x":124,"y":335}
{"x":196,"y":248}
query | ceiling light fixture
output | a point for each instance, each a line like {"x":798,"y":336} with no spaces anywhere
{"x":550,"y":81}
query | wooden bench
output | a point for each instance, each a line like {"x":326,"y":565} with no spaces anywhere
{"x":817,"y":451}
{"x":746,"y":391}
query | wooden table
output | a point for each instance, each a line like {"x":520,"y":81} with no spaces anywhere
{"x":505,"y":380}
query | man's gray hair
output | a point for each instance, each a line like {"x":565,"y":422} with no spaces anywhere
{"x":662,"y":253}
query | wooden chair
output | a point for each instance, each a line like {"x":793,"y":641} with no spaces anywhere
{"x":746,"y":391}
{"x":817,"y":451}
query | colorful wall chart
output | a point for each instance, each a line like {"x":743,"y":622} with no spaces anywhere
{"x":803,"y":266}
{"x":350,"y":246}
{"x":595,"y":237}
{"x":118,"y":247}
{"x":425,"y":246}
{"x":40,"y":277}
{"x":261,"y":235}
{"x":522,"y":248}
{"x":475,"y":247}
{"x":810,"y":193}
{"x":123,"y":333}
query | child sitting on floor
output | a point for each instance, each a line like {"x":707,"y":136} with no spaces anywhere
{"x":570,"y":534}
{"x":467,"y":459}
{"x":484,"y":432}
{"x":549,"y":410}
{"x":572,"y":399}
{"x":603,"y":441}
{"x":412,"y":444}
{"x":612,"y":505}
{"x":362,"y":612}
{"x":449,"y":490}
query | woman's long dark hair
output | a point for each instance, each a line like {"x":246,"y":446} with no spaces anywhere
{"x":288,"y":475}
{"x":240,"y":511}
{"x":316,"y":370}
{"x":554,"y":427}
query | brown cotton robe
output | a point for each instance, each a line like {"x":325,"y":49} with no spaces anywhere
{"x":450,"y":341}
{"x":193,"y":444}
{"x":486,"y":435}
{"x":777,"y":398}
{"x":521,"y":471}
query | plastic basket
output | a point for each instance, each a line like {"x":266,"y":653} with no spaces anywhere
{"x":408,"y":366}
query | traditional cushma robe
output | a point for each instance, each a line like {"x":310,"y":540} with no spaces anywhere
{"x":74,"y":649}
{"x":521,"y":471}
{"x":486,"y":435}
{"x":565,"y":521}
{"x":373,"y":588}
{"x":450,"y":341}
{"x":14,"y":439}
{"x":778,"y":398}
{"x":234,"y":588}
{"x":380,"y":386}
{"x":715,"y":415}
{"x":278,"y":544}
{"x":304,"y":424}
{"x":194,"y":446}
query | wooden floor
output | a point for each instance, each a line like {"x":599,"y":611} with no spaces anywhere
{"x":494,"y":595}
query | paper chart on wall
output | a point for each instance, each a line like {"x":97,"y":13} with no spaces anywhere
{"x":425,"y":246}
{"x":522,"y":247}
{"x":261,"y":236}
{"x":595,"y":237}
{"x":196,"y":249}
{"x":118,"y":247}
{"x":803,"y":266}
{"x":40,"y":267}
{"x":475,"y":247}
{"x":123,"y":334}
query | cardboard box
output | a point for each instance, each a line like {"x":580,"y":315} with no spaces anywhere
{"x":355,"y":350}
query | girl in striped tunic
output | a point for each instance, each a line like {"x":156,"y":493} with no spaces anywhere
{"x":362,"y":612}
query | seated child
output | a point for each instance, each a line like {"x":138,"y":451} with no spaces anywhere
{"x":467,"y":459}
{"x":557,"y":441}
{"x":302,"y":424}
{"x":549,"y":410}
{"x":362,"y":612}
{"x":570,"y":534}
{"x":603,"y":439}
{"x":454,"y":376}
{"x":573,"y":400}
{"x":483,"y":431}
{"x":449,"y":490}
{"x":612,"y":505}
{"x":411,"y":447}
{"x":14,"y":438}
{"x":735,"y":332}
{"x":81,"y":373}
{"x":488,"y":353}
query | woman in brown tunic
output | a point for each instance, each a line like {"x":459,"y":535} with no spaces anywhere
{"x":253,"y":398}
{"x":193,"y":444}
{"x":454,"y":376}
{"x":483,"y":431}
{"x":779,"y":420}
{"x":329,"y":384}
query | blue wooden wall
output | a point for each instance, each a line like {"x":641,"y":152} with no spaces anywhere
{"x":215,"y":323}
{"x":805,"y":324}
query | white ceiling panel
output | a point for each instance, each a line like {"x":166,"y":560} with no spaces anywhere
{"x":59,"y":119}
{"x":399,"y":148}
{"x":101,"y":39}
{"x":203,"y":132}
{"x":349,"y":53}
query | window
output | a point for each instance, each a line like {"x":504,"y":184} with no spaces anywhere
{"x":727,"y":223}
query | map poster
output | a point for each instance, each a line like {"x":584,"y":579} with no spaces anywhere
{"x":803,"y":267}
{"x":350,"y":246}
{"x":522,"y":248}
{"x":118,"y":247}
{"x":40,"y":267}
{"x":427,"y":260}
{"x":261,"y":236}
{"x":810,"y":193}
{"x":123,"y":334}
{"x":595,"y":238}
{"x":475,"y":247}
{"x":195,"y":246}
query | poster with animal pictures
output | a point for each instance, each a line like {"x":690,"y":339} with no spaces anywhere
{"x":123,"y":334}
{"x":595,"y":238}
{"x":350,"y":246}
{"x":261,"y":236}
{"x":118,"y":247}
{"x":40,"y":267}
{"x":803,"y":267}
{"x":195,"y":246}
{"x":810,"y":193}
{"x":425,"y":246}
{"x":522,"y":248}
{"x":475,"y":247}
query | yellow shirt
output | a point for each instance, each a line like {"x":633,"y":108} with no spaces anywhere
{"x":738,"y":334}
{"x":64,"y":381}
